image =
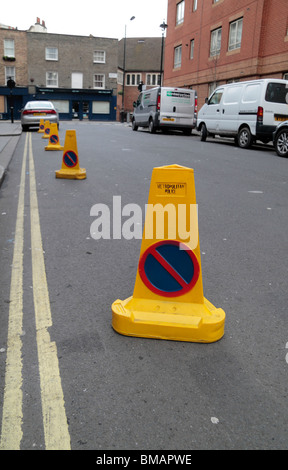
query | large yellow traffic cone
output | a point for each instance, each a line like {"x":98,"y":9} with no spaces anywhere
{"x":46,"y":130}
{"x":70,"y":163}
{"x":168,"y":301}
{"x":54,"y":143}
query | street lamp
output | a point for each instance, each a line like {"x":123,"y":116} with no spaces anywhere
{"x":163,"y":26}
{"x":124,"y":67}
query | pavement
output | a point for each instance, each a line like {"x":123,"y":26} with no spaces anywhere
{"x":9,"y":137}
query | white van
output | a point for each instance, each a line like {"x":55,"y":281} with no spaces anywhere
{"x":163,"y":108}
{"x":247,"y":111}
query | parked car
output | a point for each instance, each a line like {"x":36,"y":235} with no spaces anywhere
{"x":280,"y":139}
{"x":33,"y":111}
{"x":245,"y":111}
{"x":163,"y":108}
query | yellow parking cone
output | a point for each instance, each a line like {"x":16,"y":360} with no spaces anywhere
{"x":41,"y":127}
{"x":46,"y":130}
{"x":168,"y":301}
{"x":54,"y":143}
{"x":70,"y":163}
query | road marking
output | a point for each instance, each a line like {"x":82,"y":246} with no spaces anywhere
{"x":11,"y":433}
{"x":53,"y":407}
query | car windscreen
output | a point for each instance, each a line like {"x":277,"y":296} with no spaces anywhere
{"x":277,"y":93}
{"x":39,"y":105}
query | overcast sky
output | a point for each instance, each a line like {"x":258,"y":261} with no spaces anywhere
{"x":103,"y":18}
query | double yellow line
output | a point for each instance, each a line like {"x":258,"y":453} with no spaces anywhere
{"x":55,"y":425}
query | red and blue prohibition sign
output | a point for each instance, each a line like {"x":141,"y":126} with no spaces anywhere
{"x":70,"y":159}
{"x":54,"y":139}
{"x":168,"y":270}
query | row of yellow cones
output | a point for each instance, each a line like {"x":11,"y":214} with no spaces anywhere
{"x":70,"y":162}
{"x":168,"y":301}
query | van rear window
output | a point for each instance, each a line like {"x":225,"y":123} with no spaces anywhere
{"x":277,"y":93}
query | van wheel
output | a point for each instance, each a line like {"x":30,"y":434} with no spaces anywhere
{"x":151,"y":127}
{"x":203,"y":133}
{"x":134,"y":127}
{"x":244,"y":138}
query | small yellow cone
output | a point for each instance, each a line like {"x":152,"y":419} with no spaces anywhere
{"x":54,"y":143}
{"x":41,"y":127}
{"x":46,"y":130}
{"x":70,"y":163}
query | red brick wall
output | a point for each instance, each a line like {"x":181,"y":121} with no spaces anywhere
{"x":264,"y":46}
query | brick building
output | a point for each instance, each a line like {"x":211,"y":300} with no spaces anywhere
{"x":77,"y":73}
{"x":212,"y":42}
{"x":142,"y":65}
{"x":82,"y":75}
{"x":13,"y":64}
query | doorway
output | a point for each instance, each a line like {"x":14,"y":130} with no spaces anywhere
{"x":80,"y":110}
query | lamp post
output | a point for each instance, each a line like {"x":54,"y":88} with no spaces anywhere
{"x":124,"y":71}
{"x":163,"y":26}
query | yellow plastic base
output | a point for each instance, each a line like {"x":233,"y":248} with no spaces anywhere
{"x":201,"y":323}
{"x":70,"y":174}
{"x":54,"y":147}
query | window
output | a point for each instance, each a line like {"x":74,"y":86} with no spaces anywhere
{"x":177,"y":57}
{"x":235,"y":34}
{"x":99,"y":57}
{"x":77,"y":80}
{"x":180,"y":12}
{"x":276,"y":93}
{"x":10,"y":73}
{"x":195,"y":4}
{"x":133,"y":79}
{"x":216,"y":97}
{"x":100,"y":107}
{"x":9,"y":48}
{"x":99,"y":81}
{"x":192,"y":43}
{"x":52,"y":79}
{"x":51,"y":53}
{"x":152,"y":79}
{"x":62,"y":106}
{"x":215,"y":45}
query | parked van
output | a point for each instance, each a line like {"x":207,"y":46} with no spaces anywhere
{"x":163,"y":108}
{"x":247,"y":111}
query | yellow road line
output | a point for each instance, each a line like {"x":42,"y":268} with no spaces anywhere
{"x":11,"y":433}
{"x":53,"y":407}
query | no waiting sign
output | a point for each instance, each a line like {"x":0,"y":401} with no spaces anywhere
{"x":168,"y":270}
{"x":70,"y":159}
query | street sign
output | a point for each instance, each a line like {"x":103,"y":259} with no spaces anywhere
{"x":70,"y":159}
{"x":168,"y":268}
{"x":54,"y":139}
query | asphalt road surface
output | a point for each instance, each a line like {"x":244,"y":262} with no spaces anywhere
{"x":67,"y":379}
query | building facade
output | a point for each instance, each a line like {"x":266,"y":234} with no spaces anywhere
{"x":212,"y":42}
{"x":13,"y":65}
{"x":142,"y":65}
{"x":77,"y":73}
{"x":81,"y":75}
